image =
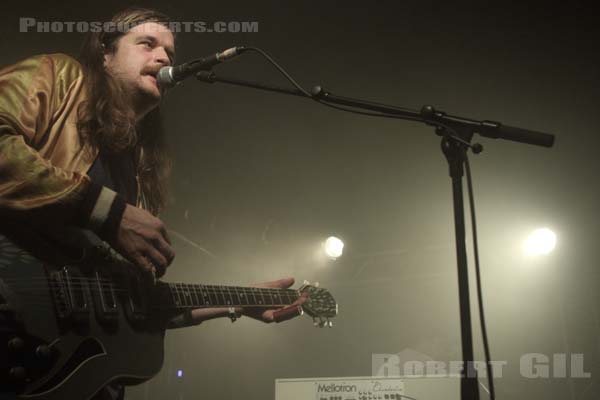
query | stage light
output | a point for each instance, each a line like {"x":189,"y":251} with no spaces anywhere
{"x":179,"y":373}
{"x":540,"y":241}
{"x":334,"y":247}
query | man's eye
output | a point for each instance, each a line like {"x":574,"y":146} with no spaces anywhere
{"x":147,"y":44}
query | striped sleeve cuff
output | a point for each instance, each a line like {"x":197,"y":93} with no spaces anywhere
{"x":102,"y":210}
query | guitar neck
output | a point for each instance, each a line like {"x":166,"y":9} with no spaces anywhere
{"x":183,"y":295}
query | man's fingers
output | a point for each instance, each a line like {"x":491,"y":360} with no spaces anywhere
{"x":287,"y":313}
{"x":144,"y":264}
{"x":165,"y":249}
{"x":165,"y":234}
{"x":302,"y":299}
{"x":267,"y":316}
{"x":283,"y":283}
{"x":157,"y":259}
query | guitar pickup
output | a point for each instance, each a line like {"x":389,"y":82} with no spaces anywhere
{"x":107,"y":307}
{"x":70,"y":294}
{"x":136,"y":306}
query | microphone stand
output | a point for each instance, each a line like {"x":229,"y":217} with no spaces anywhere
{"x":457,"y":133}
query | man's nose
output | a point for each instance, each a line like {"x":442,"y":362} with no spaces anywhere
{"x":161,"y":56}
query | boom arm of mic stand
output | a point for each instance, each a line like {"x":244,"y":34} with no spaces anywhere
{"x":428,"y":114}
{"x":211,"y":77}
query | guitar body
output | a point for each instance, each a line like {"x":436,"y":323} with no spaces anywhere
{"x":70,"y":331}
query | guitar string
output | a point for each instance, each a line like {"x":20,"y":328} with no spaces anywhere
{"x":208,"y":302}
{"x":177,"y":291}
{"x":37,"y":301}
{"x":189,"y":294}
{"x":183,"y":298}
{"x":210,"y":299}
{"x":94,"y":280}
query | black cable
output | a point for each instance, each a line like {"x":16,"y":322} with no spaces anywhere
{"x":324,"y":102}
{"x":370,"y":114}
{"x":486,"y":348}
{"x":280,"y":69}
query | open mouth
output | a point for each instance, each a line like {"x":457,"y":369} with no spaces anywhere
{"x":153,"y":78}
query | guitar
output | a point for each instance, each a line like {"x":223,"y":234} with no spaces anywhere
{"x":68,"y":331}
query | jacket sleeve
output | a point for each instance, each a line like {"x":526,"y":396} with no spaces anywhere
{"x":31,"y":93}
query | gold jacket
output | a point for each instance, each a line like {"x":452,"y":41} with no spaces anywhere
{"x":43,"y":160}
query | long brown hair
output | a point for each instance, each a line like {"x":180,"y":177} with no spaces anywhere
{"x":107,"y":119}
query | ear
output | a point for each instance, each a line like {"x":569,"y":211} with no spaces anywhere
{"x":108,"y":56}
{"x":107,"y":59}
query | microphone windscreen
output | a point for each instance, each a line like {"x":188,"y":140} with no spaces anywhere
{"x":165,"y":78}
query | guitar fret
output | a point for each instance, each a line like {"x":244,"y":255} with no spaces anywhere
{"x":228,"y":297}
{"x":190,"y":291}
{"x":220,"y":295}
{"x":184,"y":294}
{"x":264,"y":293}
{"x":262,"y":299}
{"x":250,"y":296}
{"x":205,"y":295}
{"x":236,"y":293}
{"x":235,"y":300}
{"x":243,"y":297}
{"x":188,"y":296}
{"x":252,"y":292}
{"x":269,"y":292}
{"x":174,"y":294}
{"x":277,"y":298}
{"x":195,"y":296}
{"x":212,"y":295}
{"x":287,"y":295}
{"x":181,"y":294}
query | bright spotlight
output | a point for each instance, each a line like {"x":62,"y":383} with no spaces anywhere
{"x":334,"y":247}
{"x":540,"y":241}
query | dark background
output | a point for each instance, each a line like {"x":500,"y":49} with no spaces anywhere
{"x":261,"y":179}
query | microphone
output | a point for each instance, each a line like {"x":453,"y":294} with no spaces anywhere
{"x":168,"y":77}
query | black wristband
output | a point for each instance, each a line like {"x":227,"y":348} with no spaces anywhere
{"x":111,"y":225}
{"x":87,"y":205}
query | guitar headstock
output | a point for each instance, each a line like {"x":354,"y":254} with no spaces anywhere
{"x":320,"y":304}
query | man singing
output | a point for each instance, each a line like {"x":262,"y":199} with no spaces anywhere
{"x":82,"y":148}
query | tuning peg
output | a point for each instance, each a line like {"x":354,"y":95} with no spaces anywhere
{"x":306,"y":282}
{"x":320,"y":323}
{"x":316,"y":284}
{"x":329,"y":323}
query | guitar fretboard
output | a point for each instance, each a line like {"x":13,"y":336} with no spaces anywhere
{"x":191,"y":295}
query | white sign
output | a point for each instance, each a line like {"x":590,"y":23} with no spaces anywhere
{"x":369,"y":388}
